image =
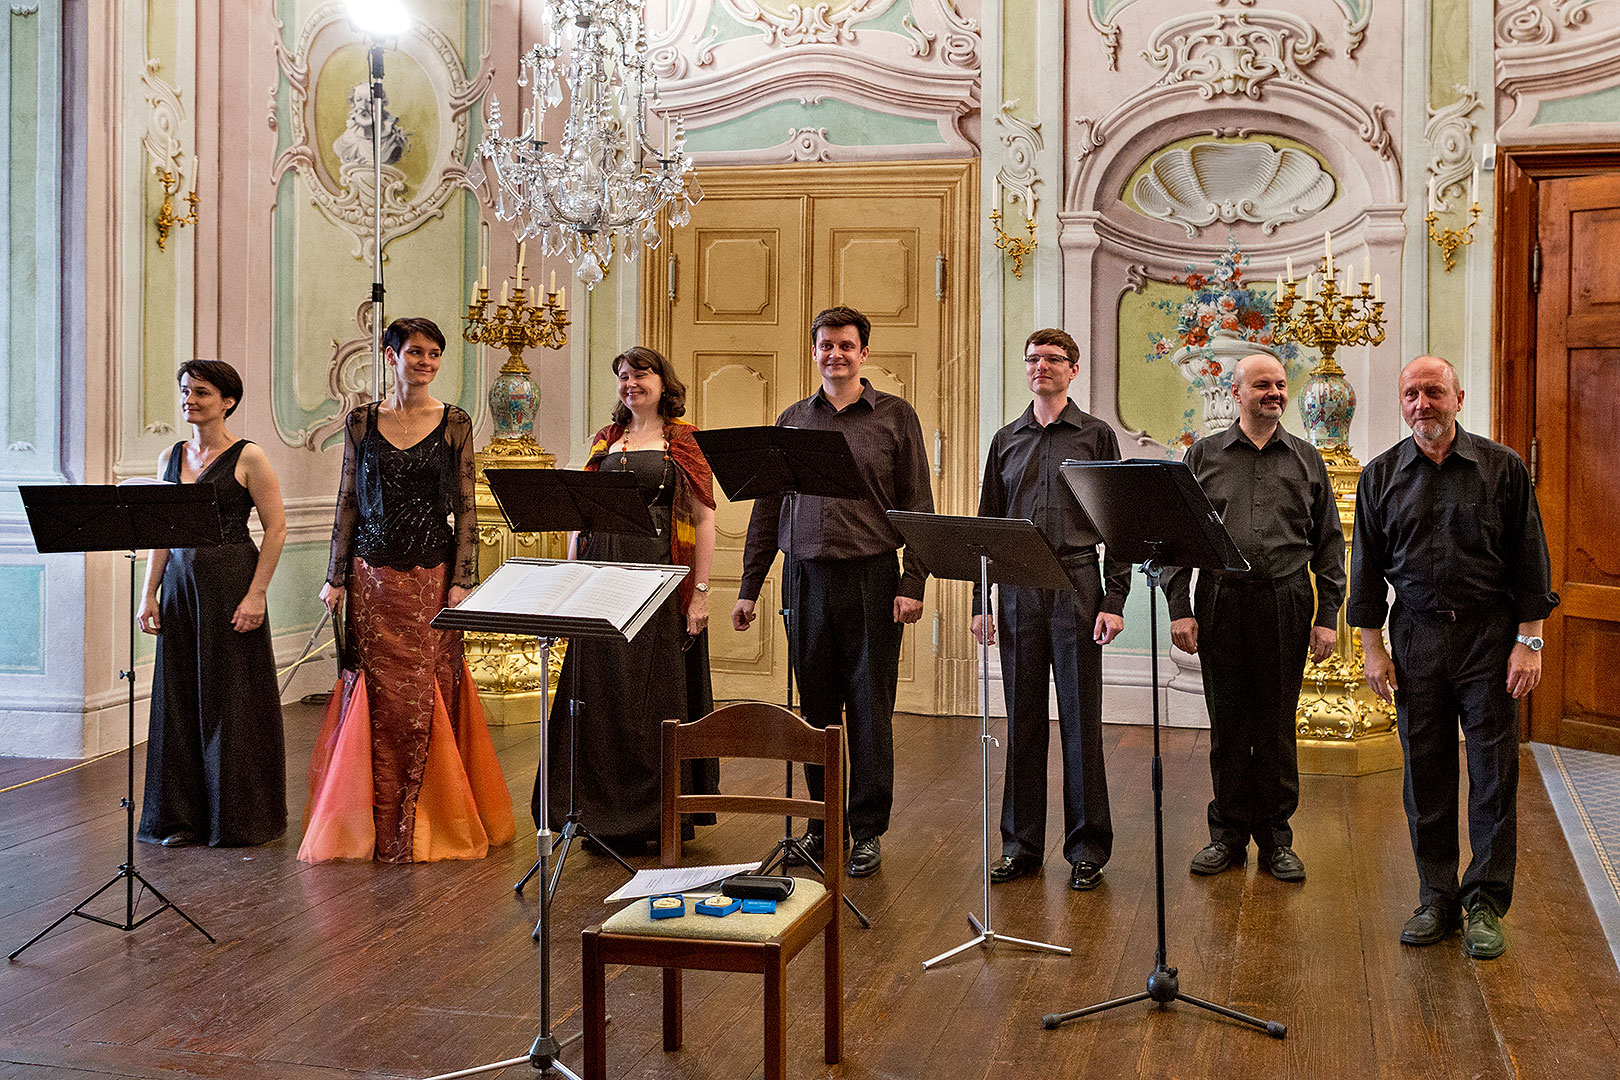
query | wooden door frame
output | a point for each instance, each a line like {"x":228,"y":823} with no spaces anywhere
{"x":1520,"y":170}
{"x":955,"y":182}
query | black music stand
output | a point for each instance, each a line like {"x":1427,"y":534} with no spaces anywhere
{"x":1155,"y":513}
{"x":543,"y":1052}
{"x":565,"y":500}
{"x":1008,"y":551}
{"x":757,"y":462}
{"x":75,"y":518}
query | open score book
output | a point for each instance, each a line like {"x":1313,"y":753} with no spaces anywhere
{"x":582,"y":597}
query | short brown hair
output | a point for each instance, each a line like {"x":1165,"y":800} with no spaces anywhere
{"x":672,"y":402}
{"x":216,"y":373}
{"x":1053,"y":336}
{"x":842,"y":316}
{"x":401,"y":331}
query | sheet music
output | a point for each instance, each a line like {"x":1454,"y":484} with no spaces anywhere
{"x":617,"y":595}
{"x":675,"y":879}
{"x":137,"y":481}
{"x":609,"y":592}
{"x":539,"y":590}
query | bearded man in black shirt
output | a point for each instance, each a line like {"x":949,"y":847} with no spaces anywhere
{"x":1450,"y":520}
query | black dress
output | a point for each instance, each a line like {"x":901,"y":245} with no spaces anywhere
{"x":628,"y":689}
{"x":215,"y":760}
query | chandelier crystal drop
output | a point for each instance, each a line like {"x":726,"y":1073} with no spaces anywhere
{"x":600,"y":189}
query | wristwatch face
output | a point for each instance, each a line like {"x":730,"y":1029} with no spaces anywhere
{"x":702,"y":586}
{"x":1534,"y":643}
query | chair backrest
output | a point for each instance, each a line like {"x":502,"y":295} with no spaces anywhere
{"x":752,"y":729}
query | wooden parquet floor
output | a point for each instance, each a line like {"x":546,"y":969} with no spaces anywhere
{"x":342,"y":970}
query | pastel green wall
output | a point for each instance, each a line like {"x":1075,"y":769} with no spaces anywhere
{"x":22,"y":631}
{"x":1596,"y":107}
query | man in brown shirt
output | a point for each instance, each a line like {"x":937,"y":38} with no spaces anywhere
{"x":848,"y":597}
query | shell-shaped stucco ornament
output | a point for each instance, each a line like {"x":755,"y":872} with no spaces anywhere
{"x":1207,"y":182}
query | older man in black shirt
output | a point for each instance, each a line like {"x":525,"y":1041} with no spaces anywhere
{"x":848,"y":595}
{"x":1276,"y":499}
{"x":1044,"y":630}
{"x":1450,"y":520}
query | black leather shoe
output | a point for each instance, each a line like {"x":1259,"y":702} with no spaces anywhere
{"x":1429,"y":924}
{"x":865,"y":857}
{"x":1011,"y":867}
{"x":181,"y":839}
{"x":1085,"y":876}
{"x":1283,"y":864}
{"x":814,"y":844}
{"x":1217,"y":856}
{"x":1483,"y":938}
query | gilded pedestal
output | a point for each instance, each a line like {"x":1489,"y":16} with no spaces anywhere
{"x":1343,"y":728}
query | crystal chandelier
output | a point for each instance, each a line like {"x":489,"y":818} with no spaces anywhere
{"x":600,"y":189}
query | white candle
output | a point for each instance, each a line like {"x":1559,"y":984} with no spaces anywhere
{"x":1310,"y":279}
{"x":1473,"y":187}
{"x":1366,"y":268}
{"x":1279,"y":287}
{"x":483,"y":254}
{"x":1327,"y":246}
{"x":194,"y":171}
{"x":521,"y":250}
{"x":553,"y":280}
{"x":504,"y":286}
{"x":1378,"y":287}
{"x":562,"y":297}
{"x":668,"y":145}
{"x":1289,"y":262}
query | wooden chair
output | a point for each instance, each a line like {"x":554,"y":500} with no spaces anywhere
{"x":761,"y":944}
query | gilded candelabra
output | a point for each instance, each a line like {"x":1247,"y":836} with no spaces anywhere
{"x":1017,"y":249}
{"x":1450,"y":240}
{"x":167,"y":220}
{"x":507,"y":667}
{"x":1341,"y":726}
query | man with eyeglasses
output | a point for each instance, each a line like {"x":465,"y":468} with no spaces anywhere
{"x":1047,"y":633}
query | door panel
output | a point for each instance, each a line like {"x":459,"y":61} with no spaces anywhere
{"x":1577,"y":413}
{"x":751,"y":270}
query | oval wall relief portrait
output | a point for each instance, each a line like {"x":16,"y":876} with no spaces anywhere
{"x":423,"y":123}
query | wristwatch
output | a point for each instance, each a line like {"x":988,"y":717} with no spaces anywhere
{"x":703,"y":587}
{"x":1535,"y":643}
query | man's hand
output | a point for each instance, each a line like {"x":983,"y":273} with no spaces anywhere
{"x":984,"y":629}
{"x":906,"y":609}
{"x":1107,"y":628}
{"x":742,"y":616}
{"x":1524,"y":670}
{"x":1378,"y":665}
{"x":1323,"y":639}
{"x":1184,"y":634}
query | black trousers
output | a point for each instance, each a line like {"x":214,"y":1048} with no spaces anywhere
{"x":847,"y":662}
{"x":1253,"y":637}
{"x":1451,"y":672}
{"x":1045,"y":631}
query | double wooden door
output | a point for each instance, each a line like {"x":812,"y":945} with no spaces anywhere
{"x":730,"y":303}
{"x":1576,"y":457}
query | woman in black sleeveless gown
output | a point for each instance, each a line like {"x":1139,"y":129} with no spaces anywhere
{"x":215,"y":761}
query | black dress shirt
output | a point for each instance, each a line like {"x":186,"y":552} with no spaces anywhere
{"x":1461,"y":535}
{"x":1277,"y":503}
{"x":1021,"y":480}
{"x":886,"y":441}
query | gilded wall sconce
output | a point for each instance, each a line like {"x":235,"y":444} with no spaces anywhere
{"x":167,"y":219}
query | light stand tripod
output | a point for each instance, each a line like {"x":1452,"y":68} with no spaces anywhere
{"x":959,"y":548}
{"x":1122,"y":499}
{"x":74,"y":519}
{"x":750,"y":463}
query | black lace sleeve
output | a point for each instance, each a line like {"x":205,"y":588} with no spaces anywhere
{"x":347,"y":519}
{"x":463,"y":501}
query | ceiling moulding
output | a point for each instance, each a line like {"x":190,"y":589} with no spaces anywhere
{"x":1231,"y":182}
{"x":927,"y":70}
{"x":1255,"y":65}
{"x":1104,"y":14}
{"x":1546,"y":50}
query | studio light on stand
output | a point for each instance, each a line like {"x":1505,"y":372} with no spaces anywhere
{"x":602,"y":187}
{"x":379,"y":20}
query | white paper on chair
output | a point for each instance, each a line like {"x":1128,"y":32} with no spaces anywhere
{"x":675,"y":879}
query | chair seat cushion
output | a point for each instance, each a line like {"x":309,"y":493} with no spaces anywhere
{"x":635,"y":919}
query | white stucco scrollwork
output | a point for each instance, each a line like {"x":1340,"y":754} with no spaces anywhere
{"x":1231,"y":182}
{"x":1233,"y":53}
{"x":1103,"y":15}
{"x":347,"y":199}
{"x":164,"y":120}
{"x":1021,"y":142}
{"x":809,"y":144}
{"x":1450,"y":134}
{"x":922,"y":66}
{"x":1547,"y":50}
